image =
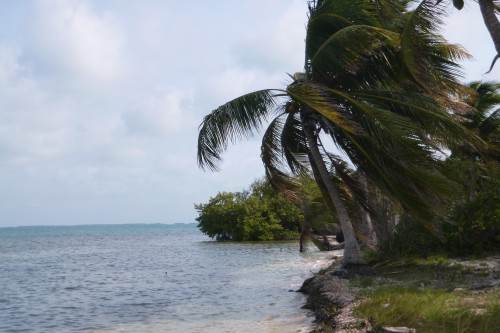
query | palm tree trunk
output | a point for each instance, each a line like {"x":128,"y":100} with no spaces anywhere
{"x":492,"y":24}
{"x":352,"y":252}
{"x":305,"y":227}
{"x":366,"y":220}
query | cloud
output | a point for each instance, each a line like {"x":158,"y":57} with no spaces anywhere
{"x":31,"y":129}
{"x":15,"y":81}
{"x":9,"y":66}
{"x":164,"y":112}
{"x":277,"y":41}
{"x":72,"y":40}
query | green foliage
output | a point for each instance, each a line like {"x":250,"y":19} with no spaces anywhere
{"x":259,"y":214}
{"x":475,"y":226}
{"x":471,"y":226}
{"x":315,"y":209}
{"x":431,"y":311}
{"x":410,"y":238}
{"x":483,"y":118}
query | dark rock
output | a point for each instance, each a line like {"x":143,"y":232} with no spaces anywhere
{"x":343,"y":273}
{"x":305,"y":285}
{"x":328,"y":289}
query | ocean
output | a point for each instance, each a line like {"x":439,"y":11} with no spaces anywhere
{"x":149,"y":278}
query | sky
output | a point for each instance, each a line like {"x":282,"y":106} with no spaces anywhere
{"x":100,"y":100}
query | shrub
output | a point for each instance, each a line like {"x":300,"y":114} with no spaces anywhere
{"x":258,"y":214}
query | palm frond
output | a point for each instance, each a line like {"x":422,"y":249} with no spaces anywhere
{"x":349,"y":178}
{"x":317,"y":98}
{"x":375,"y":119}
{"x":328,"y":17}
{"x":430,"y":115}
{"x":294,"y":144}
{"x":319,"y":29}
{"x":347,"y":51}
{"x":388,"y":130}
{"x":231,"y":122}
{"x":390,"y":11}
{"x":490,"y":125}
{"x":485,"y":96}
{"x":428,"y":58}
{"x":355,"y":11}
{"x":272,"y":154}
{"x":413,"y":181}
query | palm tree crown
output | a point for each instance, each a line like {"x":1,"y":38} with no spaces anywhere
{"x":483,"y":119}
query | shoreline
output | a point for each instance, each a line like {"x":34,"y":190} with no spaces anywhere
{"x":334,"y":292}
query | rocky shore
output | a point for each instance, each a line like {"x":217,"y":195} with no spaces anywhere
{"x":334,"y":292}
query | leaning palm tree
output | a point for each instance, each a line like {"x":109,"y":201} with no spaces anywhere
{"x":375,"y":80}
{"x":472,"y":169}
{"x":484,"y":97}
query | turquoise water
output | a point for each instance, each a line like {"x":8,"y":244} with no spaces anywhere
{"x":148,"y":278}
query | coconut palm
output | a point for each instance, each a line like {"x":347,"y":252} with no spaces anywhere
{"x":483,"y":119}
{"x":373,"y":84}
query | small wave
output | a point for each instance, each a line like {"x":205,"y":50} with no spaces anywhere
{"x":142,"y":304}
{"x":95,"y":328}
{"x":73,"y":288}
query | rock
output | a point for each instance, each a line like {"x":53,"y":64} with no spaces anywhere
{"x":329,"y":289}
{"x":340,"y":299}
{"x":306,"y":286}
{"x":388,"y":329}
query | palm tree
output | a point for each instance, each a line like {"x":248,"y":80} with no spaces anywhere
{"x":483,"y":119}
{"x":486,"y":121}
{"x":372,"y":84}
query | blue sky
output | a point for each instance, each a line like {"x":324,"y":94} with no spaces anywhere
{"x":100,"y":101}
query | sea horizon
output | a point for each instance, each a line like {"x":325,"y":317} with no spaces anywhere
{"x":95,"y":224}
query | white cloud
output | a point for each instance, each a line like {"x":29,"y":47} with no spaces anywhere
{"x":277,"y":41}
{"x":164,"y":112}
{"x":232,"y":83}
{"x":72,"y":39}
{"x":9,"y":67}
{"x":15,"y":82}
{"x":31,"y":129}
